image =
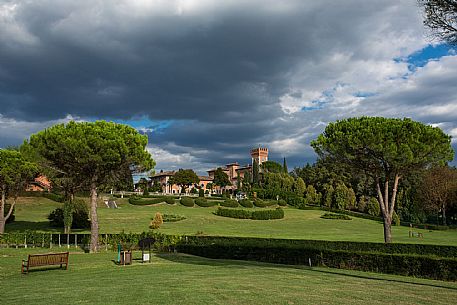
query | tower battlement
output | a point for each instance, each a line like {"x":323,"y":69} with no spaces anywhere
{"x":259,"y":154}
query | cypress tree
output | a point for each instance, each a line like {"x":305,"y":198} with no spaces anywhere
{"x":284,"y":166}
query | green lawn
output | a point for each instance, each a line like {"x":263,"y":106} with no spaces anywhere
{"x":183,"y":279}
{"x":31,"y":213}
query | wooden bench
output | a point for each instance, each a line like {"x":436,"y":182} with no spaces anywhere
{"x":48,"y":259}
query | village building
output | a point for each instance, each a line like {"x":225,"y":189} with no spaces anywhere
{"x":40,"y":184}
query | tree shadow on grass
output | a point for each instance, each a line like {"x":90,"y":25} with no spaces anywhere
{"x":197,"y":260}
{"x":20,"y":226}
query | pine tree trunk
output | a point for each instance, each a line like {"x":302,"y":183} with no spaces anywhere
{"x":387,"y":230}
{"x":443,"y":212}
{"x":2,"y":210}
{"x":93,"y":218}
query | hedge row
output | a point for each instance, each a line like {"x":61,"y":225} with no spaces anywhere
{"x":393,"y":248}
{"x":246,"y":203}
{"x":403,"y":264}
{"x":263,"y":203}
{"x":335,"y":216}
{"x":141,"y":201}
{"x":54,"y":197}
{"x":247,"y":214}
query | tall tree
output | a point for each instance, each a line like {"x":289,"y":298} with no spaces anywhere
{"x":284,"y":166}
{"x":439,"y":189}
{"x":387,"y":149}
{"x":255,"y":173}
{"x":440,"y":16}
{"x":15,"y":173}
{"x":221,"y":178}
{"x":271,"y":167}
{"x":184,"y":178}
{"x":93,"y":151}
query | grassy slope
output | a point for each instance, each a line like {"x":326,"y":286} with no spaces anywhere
{"x":181,"y":279}
{"x":32,"y":212}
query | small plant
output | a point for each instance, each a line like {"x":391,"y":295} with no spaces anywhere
{"x":157,"y":221}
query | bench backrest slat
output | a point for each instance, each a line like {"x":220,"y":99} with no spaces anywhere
{"x":47,"y":259}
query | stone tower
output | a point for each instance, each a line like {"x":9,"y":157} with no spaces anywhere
{"x":259,"y":154}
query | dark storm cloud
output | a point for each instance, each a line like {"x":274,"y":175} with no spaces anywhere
{"x":228,"y":75}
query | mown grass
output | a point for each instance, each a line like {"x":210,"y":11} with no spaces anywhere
{"x":31,"y":213}
{"x":183,"y":279}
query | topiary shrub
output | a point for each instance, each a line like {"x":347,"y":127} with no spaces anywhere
{"x":246,"y":203}
{"x":203,"y":202}
{"x":282,"y":203}
{"x":187,"y":202}
{"x":170,"y":200}
{"x":249,"y":214}
{"x":201,"y":193}
{"x":229,"y":203}
{"x":239,"y":214}
{"x":157,"y":221}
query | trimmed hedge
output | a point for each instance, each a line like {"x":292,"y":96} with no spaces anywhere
{"x":282,"y":203}
{"x":172,"y":217}
{"x":264,"y":203}
{"x":246,"y":203}
{"x":229,"y":203}
{"x":246,"y":214}
{"x":336,"y":216}
{"x":170,"y":200}
{"x":142,"y":201}
{"x":187,"y":202}
{"x":402,"y":264}
{"x":203,"y":202}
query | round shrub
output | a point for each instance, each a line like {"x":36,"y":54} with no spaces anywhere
{"x":187,"y":202}
{"x":282,"y":203}
{"x":157,"y":221}
{"x":203,"y":202}
{"x":80,"y":216}
{"x":170,"y":200}
{"x":246,"y":203}
{"x":229,"y":203}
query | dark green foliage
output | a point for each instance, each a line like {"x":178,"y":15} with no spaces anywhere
{"x":184,"y":178}
{"x":272,"y":167}
{"x":264,"y":203}
{"x":335,"y":216}
{"x":246,"y":203}
{"x":80,"y":216}
{"x":54,"y":197}
{"x":142,"y":201}
{"x":295,"y":201}
{"x":202,"y":202}
{"x":251,"y":214}
{"x":373,"y":207}
{"x":220,"y":178}
{"x":187,"y":201}
{"x":255,"y":173}
{"x":282,"y":203}
{"x":284,"y":166}
{"x":405,"y":259}
{"x":201,"y":193}
{"x":170,"y":200}
{"x":278,"y":213}
{"x":229,"y":203}
{"x":234,"y":213}
{"x":172,"y":217}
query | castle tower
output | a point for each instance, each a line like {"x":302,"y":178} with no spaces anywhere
{"x":259,"y":154}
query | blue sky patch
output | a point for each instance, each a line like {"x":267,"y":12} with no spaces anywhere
{"x":422,"y":57}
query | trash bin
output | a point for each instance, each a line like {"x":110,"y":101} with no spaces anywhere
{"x":126,"y":258}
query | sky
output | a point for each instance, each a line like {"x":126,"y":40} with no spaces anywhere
{"x":208,"y":80}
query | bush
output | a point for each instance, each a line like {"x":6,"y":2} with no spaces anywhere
{"x":80,"y":216}
{"x":282,"y":203}
{"x":157,"y":221}
{"x":240,"y":214}
{"x":246,"y":214}
{"x":264,"y":203}
{"x":373,"y":207}
{"x":335,"y":216}
{"x":201,"y":193}
{"x":246,"y":203}
{"x":278,"y":213}
{"x":170,"y":200}
{"x":295,"y":201}
{"x":278,"y":252}
{"x":135,"y":200}
{"x":187,"y":201}
{"x":172,"y":218}
{"x":229,"y":203}
{"x":202,"y":202}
